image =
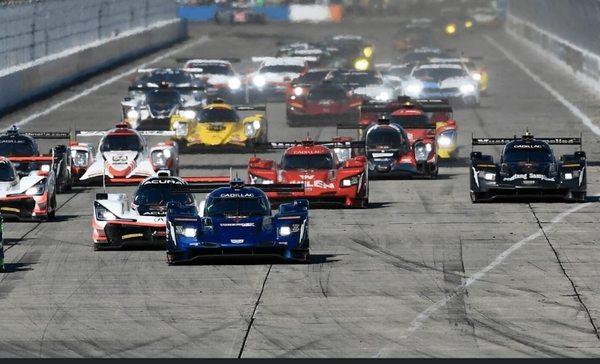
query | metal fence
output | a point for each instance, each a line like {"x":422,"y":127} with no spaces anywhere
{"x":576,"y":21}
{"x":34,"y":29}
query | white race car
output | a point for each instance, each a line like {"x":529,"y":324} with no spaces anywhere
{"x":271,"y":79}
{"x":123,"y":156}
{"x":219,"y":77}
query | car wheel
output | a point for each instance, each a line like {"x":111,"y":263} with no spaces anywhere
{"x":477,"y":197}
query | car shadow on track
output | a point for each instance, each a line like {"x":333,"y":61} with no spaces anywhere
{"x":315,"y":259}
{"x":17,"y":267}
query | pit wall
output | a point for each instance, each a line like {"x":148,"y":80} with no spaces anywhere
{"x":291,"y":13}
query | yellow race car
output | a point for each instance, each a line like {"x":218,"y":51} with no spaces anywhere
{"x":219,"y":125}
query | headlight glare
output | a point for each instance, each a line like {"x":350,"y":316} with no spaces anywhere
{"x":362,"y":64}
{"x":285,"y":231}
{"x":188,"y":114}
{"x":467,"y":89}
{"x":259,"y":81}
{"x":133,"y":115}
{"x":234,"y":83}
{"x":414,"y":89}
{"x":298,"y":91}
{"x":187,"y":231}
{"x":80,"y":158}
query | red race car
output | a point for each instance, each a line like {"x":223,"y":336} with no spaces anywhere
{"x":326,"y":169}
{"x":421,"y":119}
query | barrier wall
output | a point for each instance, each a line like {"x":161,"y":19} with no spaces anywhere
{"x":292,"y":13}
{"x":48,"y":74}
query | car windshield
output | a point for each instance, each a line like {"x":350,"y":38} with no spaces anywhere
{"x":312,"y":78}
{"x":129,"y":142}
{"x":387,"y":138}
{"x":219,"y":115}
{"x":421,"y":56}
{"x":406,"y":121}
{"x":438,"y":74}
{"x":359,"y":78}
{"x":7,"y":173}
{"x":282,"y":69}
{"x":175,"y":77}
{"x":399,"y":71}
{"x":17,"y":147}
{"x":160,"y":195}
{"x":212,"y":69}
{"x":311,"y":161}
{"x":327,"y":93}
{"x":163,"y":98}
{"x":517,"y":155}
{"x":237,"y":207}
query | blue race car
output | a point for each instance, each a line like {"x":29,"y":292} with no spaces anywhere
{"x":236,"y":219}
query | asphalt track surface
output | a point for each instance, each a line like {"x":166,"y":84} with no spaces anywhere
{"x":423,"y":272}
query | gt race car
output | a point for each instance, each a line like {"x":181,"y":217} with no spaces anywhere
{"x":300,"y":86}
{"x":421,"y":119}
{"x":23,"y":151}
{"x":123,"y":156}
{"x":528,"y":168}
{"x":422,"y":55}
{"x":31,"y":197}
{"x":236,"y":220}
{"x":118,"y":221}
{"x":368,"y":85}
{"x":219,"y":78}
{"x":351,"y":52}
{"x":220,"y":125}
{"x":443,"y":81}
{"x":238,"y":13}
{"x":479,"y":73}
{"x":271,"y":80}
{"x":392,"y":153}
{"x":323,"y":102}
{"x":329,"y":173}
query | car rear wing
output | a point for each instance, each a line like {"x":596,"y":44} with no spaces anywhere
{"x":101,"y":133}
{"x":251,"y":107}
{"x":46,"y":134}
{"x":178,"y":88}
{"x":426,"y":105}
{"x":504,"y":141}
{"x":207,"y":60}
{"x":283,"y":59}
{"x":193,"y":180}
{"x":330,"y":144}
{"x":209,"y":187}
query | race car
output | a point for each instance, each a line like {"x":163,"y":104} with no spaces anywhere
{"x":219,"y":125}
{"x":454,"y":21}
{"x":415,"y":33}
{"x":420,"y":119}
{"x":322,"y":54}
{"x":238,"y":13}
{"x":351,"y":52}
{"x":219,"y":78}
{"x":443,"y":81}
{"x":270,"y":81}
{"x":392,"y":153}
{"x":485,"y":13}
{"x":327,"y":170}
{"x":300,"y":86}
{"x":236,"y":220}
{"x":528,"y":168}
{"x":369,"y":85}
{"x":479,"y":73}
{"x":118,"y":221}
{"x":395,"y":75}
{"x":31,"y":197}
{"x":22,"y":150}
{"x":123,"y":156}
{"x":326,"y":101}
{"x":149,"y":79}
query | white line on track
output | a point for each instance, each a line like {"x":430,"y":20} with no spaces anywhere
{"x":113,"y":79}
{"x":586,"y":120}
{"x":429,"y":311}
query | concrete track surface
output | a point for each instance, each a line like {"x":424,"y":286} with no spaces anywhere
{"x":422,"y":273}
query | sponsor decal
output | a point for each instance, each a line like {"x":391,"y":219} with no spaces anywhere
{"x":316,"y":184}
{"x":529,"y":176}
{"x":237,"y":241}
{"x":239,"y":224}
{"x":163,"y":182}
{"x":159,"y":219}
{"x":237,"y":195}
{"x":529,"y":146}
{"x":132,"y":236}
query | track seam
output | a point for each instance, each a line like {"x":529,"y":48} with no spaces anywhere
{"x":564,"y":271}
{"x":253,"y":317}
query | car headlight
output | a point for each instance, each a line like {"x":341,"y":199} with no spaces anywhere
{"x":476,"y":76}
{"x":489,"y":176}
{"x":188,"y":114}
{"x":362,"y":64}
{"x":447,"y":139}
{"x":144,"y":114}
{"x":414,"y":89}
{"x":469,"y":24}
{"x":234,"y":83}
{"x":160,"y":157}
{"x":450,"y":29}
{"x":298,"y":91}
{"x":352,"y":181}
{"x":256,"y":124}
{"x":249,"y":130}
{"x":259,"y":81}
{"x":181,"y":129}
{"x":187,"y":231}
{"x":102,"y":214}
{"x":384,"y":96}
{"x":80,"y":158}
{"x":422,"y":151}
{"x":285,"y":231}
{"x":368,"y":52}
{"x":467,"y":89}
{"x":133,"y":115}
{"x":37,"y":190}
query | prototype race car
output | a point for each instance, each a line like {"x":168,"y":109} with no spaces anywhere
{"x":415,"y":33}
{"x":117,"y":221}
{"x":326,"y":101}
{"x":421,"y":119}
{"x":23,"y":151}
{"x":351,"y":52}
{"x":31,"y":197}
{"x":369,"y":85}
{"x":220,"y":125}
{"x":528,"y":168}
{"x":443,"y":81}
{"x":219,"y":78}
{"x":329,"y":174}
{"x":239,"y":13}
{"x":270,"y":81}
{"x":236,"y":219}
{"x":123,"y":156}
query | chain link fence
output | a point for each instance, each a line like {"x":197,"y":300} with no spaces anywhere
{"x":33,"y":29}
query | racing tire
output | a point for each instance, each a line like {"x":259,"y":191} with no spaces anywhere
{"x":578,"y":197}
{"x":477,"y":197}
{"x":99,"y":247}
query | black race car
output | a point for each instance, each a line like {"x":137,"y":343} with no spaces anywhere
{"x":350,"y":51}
{"x":528,"y":168}
{"x":23,"y":151}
